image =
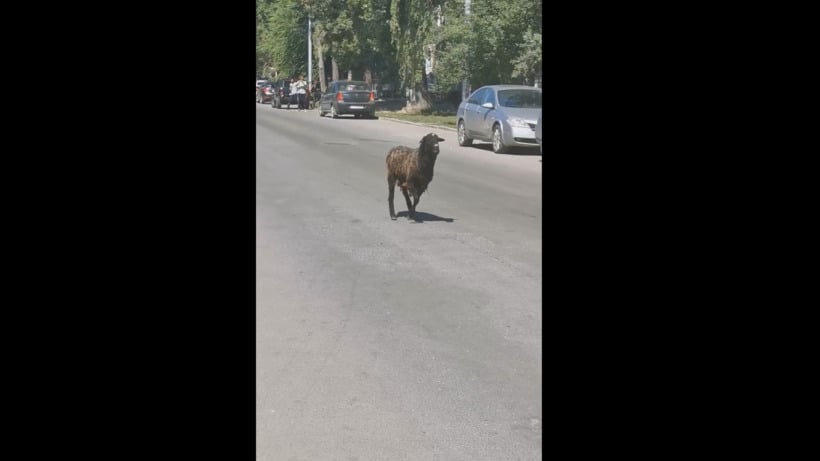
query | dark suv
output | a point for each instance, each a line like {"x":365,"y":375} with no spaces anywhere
{"x":281,"y":94}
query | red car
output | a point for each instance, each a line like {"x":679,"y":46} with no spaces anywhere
{"x":264,"y":93}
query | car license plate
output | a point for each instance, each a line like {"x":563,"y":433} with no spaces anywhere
{"x":357,"y":107}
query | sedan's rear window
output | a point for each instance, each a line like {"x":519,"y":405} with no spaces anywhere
{"x":354,"y":87}
{"x":519,"y":98}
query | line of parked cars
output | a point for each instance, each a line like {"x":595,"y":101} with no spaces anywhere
{"x":508,"y":116}
{"x":343,"y":97}
{"x":276,"y":93}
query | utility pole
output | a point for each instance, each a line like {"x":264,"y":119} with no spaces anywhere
{"x":465,"y":89}
{"x":310,"y":51}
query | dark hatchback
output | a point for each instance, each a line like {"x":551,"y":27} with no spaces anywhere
{"x":348,"y":97}
{"x":281,"y":94}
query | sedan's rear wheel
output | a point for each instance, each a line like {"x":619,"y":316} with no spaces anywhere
{"x":463,"y":140}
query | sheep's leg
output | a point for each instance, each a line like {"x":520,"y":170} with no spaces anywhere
{"x":391,"y":186}
{"x":410,"y":210}
{"x":416,"y":197}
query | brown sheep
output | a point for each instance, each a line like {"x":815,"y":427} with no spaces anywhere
{"x":412,"y":170}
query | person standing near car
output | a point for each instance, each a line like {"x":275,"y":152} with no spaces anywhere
{"x":315,"y":92}
{"x":300,"y":87}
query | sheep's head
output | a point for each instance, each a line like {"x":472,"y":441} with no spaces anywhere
{"x":429,"y":143}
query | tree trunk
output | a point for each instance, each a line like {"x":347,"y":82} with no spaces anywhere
{"x":334,"y":68}
{"x":419,"y":101}
{"x":320,"y":54}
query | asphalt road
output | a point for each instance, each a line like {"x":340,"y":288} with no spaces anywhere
{"x":394,"y":340}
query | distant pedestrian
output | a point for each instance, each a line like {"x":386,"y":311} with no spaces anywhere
{"x":301,"y":87}
{"x":315,"y":92}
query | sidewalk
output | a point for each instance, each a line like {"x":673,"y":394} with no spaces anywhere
{"x":440,"y":127}
{"x":396,"y":104}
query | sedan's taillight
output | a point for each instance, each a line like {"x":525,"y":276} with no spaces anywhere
{"x":339,"y":97}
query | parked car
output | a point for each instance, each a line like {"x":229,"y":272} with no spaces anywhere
{"x":538,"y":134}
{"x":258,"y":84}
{"x":264,"y":93}
{"x":348,"y":97}
{"x":388,"y":90}
{"x":505,"y":115}
{"x":281,"y":94}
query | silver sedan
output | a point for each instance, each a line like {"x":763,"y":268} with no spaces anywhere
{"x":505,"y":115}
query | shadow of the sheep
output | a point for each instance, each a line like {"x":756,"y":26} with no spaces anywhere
{"x":422,"y":217}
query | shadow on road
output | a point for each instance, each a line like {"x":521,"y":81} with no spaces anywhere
{"x":422,"y":217}
{"x":512,"y":150}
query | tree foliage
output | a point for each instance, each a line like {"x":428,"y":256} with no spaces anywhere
{"x":357,"y":35}
{"x":498,"y":42}
{"x":528,"y":62}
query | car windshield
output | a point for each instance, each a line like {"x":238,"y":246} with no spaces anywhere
{"x":520,"y":98}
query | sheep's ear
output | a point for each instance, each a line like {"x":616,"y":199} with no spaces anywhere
{"x":440,"y":139}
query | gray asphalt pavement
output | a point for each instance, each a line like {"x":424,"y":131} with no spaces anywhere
{"x":394,"y":340}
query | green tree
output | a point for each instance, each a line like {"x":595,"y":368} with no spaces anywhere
{"x":528,"y":62}
{"x":264,"y":52}
{"x":287,"y":35}
{"x":499,"y":42}
{"x":411,"y":29}
{"x":495,"y":43}
{"x":353,"y":34}
{"x":454,"y":54}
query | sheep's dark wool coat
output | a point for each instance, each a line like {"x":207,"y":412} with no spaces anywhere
{"x":412,"y":170}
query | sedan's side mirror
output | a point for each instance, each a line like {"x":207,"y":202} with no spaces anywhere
{"x":488,"y":105}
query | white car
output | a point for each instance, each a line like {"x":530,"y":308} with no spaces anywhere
{"x":538,"y":134}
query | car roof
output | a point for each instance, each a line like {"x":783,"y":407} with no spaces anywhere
{"x":504,"y":87}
